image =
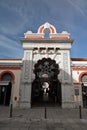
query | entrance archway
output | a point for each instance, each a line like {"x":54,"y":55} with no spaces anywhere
{"x":46,"y":88}
{"x":5,"y":89}
{"x":84,"y":89}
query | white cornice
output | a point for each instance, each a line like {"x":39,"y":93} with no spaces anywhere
{"x":46,"y":40}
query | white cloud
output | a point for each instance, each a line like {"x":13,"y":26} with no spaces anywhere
{"x":15,"y":18}
{"x":78,"y":5}
{"x":8,"y":43}
{"x":9,"y":48}
{"x":22,"y":7}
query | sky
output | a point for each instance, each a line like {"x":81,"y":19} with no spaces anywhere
{"x":19,"y":16}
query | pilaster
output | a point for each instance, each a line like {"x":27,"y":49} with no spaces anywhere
{"x":67,"y":87}
{"x":26,"y":79}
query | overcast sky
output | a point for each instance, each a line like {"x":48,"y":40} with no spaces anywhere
{"x":19,"y":16}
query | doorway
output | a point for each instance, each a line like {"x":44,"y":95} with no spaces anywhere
{"x":84,"y":95}
{"x":46,"y":88}
{"x":5,"y":88}
{"x":84,"y":90}
{"x":5,"y":93}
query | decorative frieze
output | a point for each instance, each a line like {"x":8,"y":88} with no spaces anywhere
{"x":44,"y":50}
{"x":26,"y":70}
{"x":27,"y":67}
{"x":65,"y":65}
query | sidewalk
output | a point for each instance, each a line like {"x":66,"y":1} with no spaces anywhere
{"x":42,"y":119}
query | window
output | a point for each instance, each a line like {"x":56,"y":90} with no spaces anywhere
{"x":84,"y":78}
{"x":46,"y":33}
{"x":6,"y":77}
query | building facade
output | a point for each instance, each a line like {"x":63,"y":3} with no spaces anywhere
{"x":46,"y":74}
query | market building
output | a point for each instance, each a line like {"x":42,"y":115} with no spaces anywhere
{"x":46,"y":75}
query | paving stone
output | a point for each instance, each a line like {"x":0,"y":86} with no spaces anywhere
{"x":34,"y":119}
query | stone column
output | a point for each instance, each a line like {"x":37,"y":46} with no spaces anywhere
{"x":25,"y":95}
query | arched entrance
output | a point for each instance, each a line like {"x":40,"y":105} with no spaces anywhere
{"x":5,"y":89}
{"x":46,"y":88}
{"x":84,"y":89}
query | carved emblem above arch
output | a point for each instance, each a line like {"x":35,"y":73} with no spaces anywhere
{"x":46,"y":68}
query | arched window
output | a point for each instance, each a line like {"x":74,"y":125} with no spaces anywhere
{"x":84,"y":78}
{"x":6,"y":77}
{"x":46,"y":33}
